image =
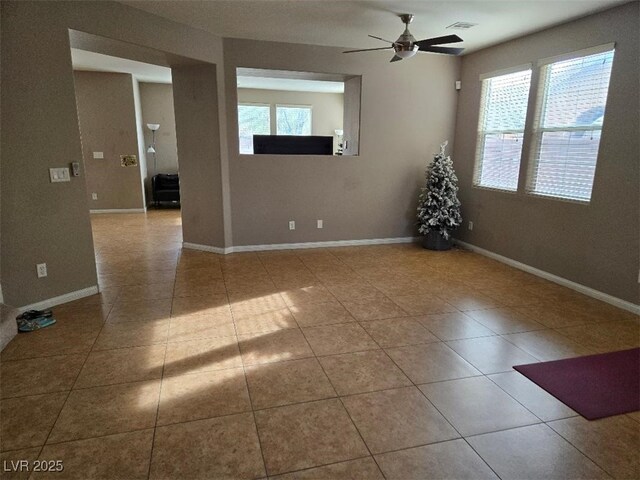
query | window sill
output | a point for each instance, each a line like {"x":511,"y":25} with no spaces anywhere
{"x":560,"y":199}
{"x":495,"y":189}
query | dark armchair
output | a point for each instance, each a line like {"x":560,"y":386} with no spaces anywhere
{"x":165,"y":188}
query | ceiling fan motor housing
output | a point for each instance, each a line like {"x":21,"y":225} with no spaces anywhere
{"x":405,"y":45}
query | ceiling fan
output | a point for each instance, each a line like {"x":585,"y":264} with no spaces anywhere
{"x":406,"y":45}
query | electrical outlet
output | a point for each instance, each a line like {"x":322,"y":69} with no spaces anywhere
{"x":41,"y":268}
{"x":320,"y":224}
{"x":292,"y":225}
{"x":470,"y":225}
{"x":94,"y":196}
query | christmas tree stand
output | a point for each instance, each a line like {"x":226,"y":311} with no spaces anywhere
{"x":435,"y":241}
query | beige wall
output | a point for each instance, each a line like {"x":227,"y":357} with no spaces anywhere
{"x":39,"y":129}
{"x":106,"y":114}
{"x":142,"y":154}
{"x":157,"y":107}
{"x":373,"y":195}
{"x":596,"y":244}
{"x":197,"y":126}
{"x":326,"y":112}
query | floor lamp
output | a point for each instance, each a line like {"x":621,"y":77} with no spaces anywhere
{"x":152,"y":149}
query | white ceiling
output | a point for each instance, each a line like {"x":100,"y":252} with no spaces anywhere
{"x":145,"y":72}
{"x":290,"y":84}
{"x":97,"y":62}
{"x":346,"y":23}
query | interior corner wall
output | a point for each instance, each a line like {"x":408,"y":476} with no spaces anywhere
{"x":157,"y":107}
{"x":39,"y":129}
{"x":198,"y":132}
{"x":107,"y":117}
{"x":372,"y":195}
{"x":351,"y":121}
{"x":142,"y":154}
{"x":596,"y":245}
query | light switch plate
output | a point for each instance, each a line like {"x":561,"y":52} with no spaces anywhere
{"x":98,"y":154}
{"x":59,"y":175}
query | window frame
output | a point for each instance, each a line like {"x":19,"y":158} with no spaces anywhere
{"x":537,"y":131}
{"x":485,"y":78}
{"x":251,"y":104}
{"x":291,"y":105}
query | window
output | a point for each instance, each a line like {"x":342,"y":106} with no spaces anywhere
{"x":566,"y":133}
{"x":293,"y":120}
{"x":503,"y":110}
{"x":253,"y":120}
{"x":301,"y":104}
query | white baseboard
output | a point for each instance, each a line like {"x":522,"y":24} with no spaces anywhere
{"x":590,"y":292}
{"x":205,"y":248}
{"x":328,"y":244}
{"x":67,"y":297}
{"x":119,"y":210}
{"x":297,"y":246}
{"x":9,"y":330}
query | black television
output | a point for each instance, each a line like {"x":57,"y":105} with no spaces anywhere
{"x":292,"y":145}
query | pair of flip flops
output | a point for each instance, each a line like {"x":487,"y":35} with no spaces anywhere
{"x":34,"y":320}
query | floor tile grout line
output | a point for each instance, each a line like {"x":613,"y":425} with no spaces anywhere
{"x":481,"y":458}
{"x":80,"y":439}
{"x":53,"y":426}
{"x":361,"y":436}
{"x":488,"y":377}
{"x":353,"y":423}
{"x":578,"y":448}
{"x":341,"y":402}
{"x":461,"y":378}
{"x":421,"y":392}
{"x":289,"y":472}
{"x":164,"y":359}
{"x":248,"y":389}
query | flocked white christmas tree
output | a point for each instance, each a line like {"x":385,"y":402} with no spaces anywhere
{"x":439,"y":207}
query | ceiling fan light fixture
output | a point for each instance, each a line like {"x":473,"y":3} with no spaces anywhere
{"x":407,"y":53}
{"x":406,"y":46}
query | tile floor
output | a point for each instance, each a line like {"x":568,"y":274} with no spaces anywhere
{"x":362,"y":363}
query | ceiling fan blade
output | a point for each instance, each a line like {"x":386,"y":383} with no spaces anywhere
{"x":367,"y":49}
{"x":383,"y":39}
{"x":445,"y":50}
{"x":439,"y":40}
{"x":395,"y":58}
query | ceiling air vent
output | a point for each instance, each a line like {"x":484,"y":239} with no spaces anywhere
{"x":461,"y":25}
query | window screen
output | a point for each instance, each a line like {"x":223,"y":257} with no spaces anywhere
{"x":252,"y":120}
{"x":293,"y":120}
{"x":566,"y":136}
{"x":503,"y":110}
